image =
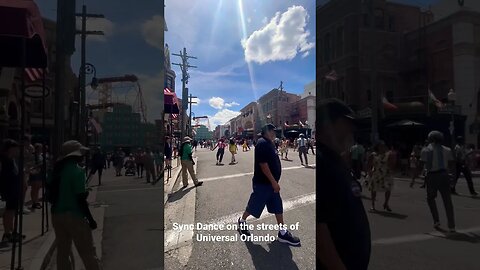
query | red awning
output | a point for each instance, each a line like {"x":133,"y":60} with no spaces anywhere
{"x":21,"y":19}
{"x":171,"y":103}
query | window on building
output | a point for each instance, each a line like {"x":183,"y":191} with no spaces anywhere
{"x":391,"y":23}
{"x":379,"y":19}
{"x":366,"y":20}
{"x":340,"y":41}
{"x":328,"y":47}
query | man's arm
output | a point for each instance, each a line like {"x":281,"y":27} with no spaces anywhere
{"x":327,"y":251}
{"x":266,"y":171}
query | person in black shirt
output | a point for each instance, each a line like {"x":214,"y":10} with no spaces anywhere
{"x":343,"y":232}
{"x":10,"y":189}
{"x":266,"y":190}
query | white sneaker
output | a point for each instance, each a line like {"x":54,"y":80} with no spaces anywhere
{"x":26,"y":210}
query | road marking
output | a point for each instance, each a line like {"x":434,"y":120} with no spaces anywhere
{"x":247,"y":174}
{"x":291,"y":204}
{"x":171,"y":235}
{"x":125,"y":190}
{"x":418,"y":237}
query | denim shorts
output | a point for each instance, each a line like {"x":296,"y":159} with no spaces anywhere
{"x":263,"y":195}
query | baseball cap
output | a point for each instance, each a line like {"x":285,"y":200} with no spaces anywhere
{"x":331,"y":109}
{"x":268,"y":127}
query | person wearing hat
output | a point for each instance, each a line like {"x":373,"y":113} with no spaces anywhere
{"x":343,"y":231}
{"x":302,"y":148}
{"x":71,"y":217}
{"x":266,"y":190}
{"x":232,"y":147}
{"x":438,"y":160}
{"x":9,"y":189}
{"x":186,"y":159}
{"x":462,"y":167}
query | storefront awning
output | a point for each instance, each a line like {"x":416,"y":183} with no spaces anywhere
{"x":170,"y":102}
{"x":21,"y":20}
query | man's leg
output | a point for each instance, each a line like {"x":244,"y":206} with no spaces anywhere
{"x":432,"y":188}
{"x":447,"y":201}
{"x":83,"y":239}
{"x":63,"y":240}
{"x":468,"y":176}
{"x":184,"y":173}
{"x":148,"y":174}
{"x":300,"y":155}
{"x":458,"y":169}
{"x":306,"y":158}
{"x":192,"y":172}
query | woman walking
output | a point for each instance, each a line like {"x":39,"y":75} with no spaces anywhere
{"x":220,"y":152}
{"x":233,"y":150}
{"x":71,"y":217}
{"x":380,"y":178}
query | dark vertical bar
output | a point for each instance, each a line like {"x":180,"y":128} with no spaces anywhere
{"x":44,"y":158}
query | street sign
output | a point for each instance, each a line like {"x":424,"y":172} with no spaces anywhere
{"x":36,"y":91}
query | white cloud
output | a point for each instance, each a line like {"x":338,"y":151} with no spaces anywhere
{"x":152,"y":31}
{"x":217,"y":103}
{"x":98,"y":24}
{"x":265,"y":20}
{"x":231,"y":104}
{"x":249,"y":20}
{"x":222,"y":117}
{"x":305,"y":54}
{"x":281,"y":39}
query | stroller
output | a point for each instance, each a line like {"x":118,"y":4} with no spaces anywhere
{"x":129,"y":168}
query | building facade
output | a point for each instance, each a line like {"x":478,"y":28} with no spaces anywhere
{"x":122,"y":128}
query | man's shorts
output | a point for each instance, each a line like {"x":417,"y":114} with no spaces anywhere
{"x":263,"y":195}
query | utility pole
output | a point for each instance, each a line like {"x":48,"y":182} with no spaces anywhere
{"x":280,"y":93}
{"x":373,"y":75}
{"x":81,"y":93}
{"x":191,"y":102}
{"x":185,"y":76}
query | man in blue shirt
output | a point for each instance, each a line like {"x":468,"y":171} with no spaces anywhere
{"x":266,"y":190}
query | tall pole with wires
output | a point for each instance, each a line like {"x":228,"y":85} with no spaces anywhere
{"x":184,"y":66}
{"x":373,"y":74}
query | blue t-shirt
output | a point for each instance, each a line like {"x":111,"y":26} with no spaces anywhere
{"x":340,"y":207}
{"x":265,"y":152}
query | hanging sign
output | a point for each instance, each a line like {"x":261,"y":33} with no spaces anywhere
{"x":36,"y":91}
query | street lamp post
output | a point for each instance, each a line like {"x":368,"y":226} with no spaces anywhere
{"x":88,"y":69}
{"x":452,"y":97}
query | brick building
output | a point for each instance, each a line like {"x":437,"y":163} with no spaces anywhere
{"x":412,"y":52}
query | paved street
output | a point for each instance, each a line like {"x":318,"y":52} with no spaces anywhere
{"x":132,"y":235}
{"x":405,"y":238}
{"x":223,"y":198}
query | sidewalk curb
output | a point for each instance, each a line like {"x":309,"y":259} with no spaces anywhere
{"x":44,"y":254}
{"x":171,"y":184}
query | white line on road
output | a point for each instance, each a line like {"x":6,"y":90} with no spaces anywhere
{"x":171,"y":235}
{"x":418,"y":237}
{"x":247,"y":174}
{"x":291,"y":204}
{"x":124,"y":190}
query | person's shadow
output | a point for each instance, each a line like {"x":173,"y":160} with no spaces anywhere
{"x":278,"y":257}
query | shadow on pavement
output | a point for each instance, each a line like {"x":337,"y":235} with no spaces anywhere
{"x":279,"y":256}
{"x":179,"y":194}
{"x":389,"y":215}
{"x":310,"y":167}
{"x":462,"y":237}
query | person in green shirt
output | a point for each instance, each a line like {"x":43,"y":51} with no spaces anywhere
{"x":186,"y":158}
{"x":71,"y":217}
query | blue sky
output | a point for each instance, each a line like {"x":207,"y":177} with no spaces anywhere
{"x":244,"y":47}
{"x":278,"y":45}
{"x":130,"y":46}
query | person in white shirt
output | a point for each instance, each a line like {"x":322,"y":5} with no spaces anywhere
{"x":438,"y":160}
{"x":462,"y":167}
{"x":302,"y":149}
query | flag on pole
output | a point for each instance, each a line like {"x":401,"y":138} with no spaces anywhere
{"x":388,"y":105}
{"x":434,"y":99}
{"x":331,"y":76}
